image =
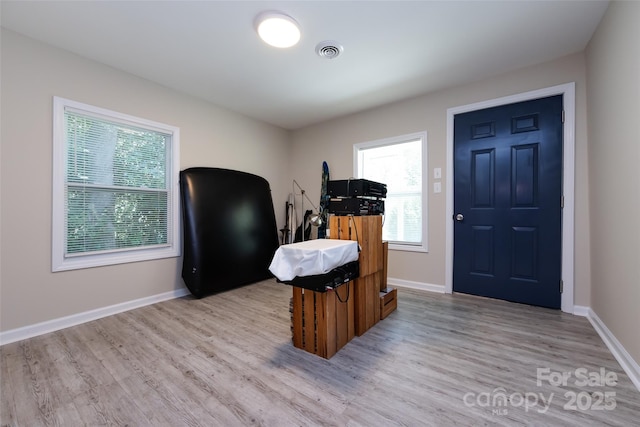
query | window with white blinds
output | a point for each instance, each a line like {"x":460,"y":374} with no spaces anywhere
{"x":399,"y":163}
{"x":115,"y":187}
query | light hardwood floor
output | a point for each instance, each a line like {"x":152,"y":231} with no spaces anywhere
{"x":227,"y":360}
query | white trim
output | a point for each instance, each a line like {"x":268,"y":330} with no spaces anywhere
{"x":42,"y":328}
{"x":416,"y":285}
{"x":60,"y":262}
{"x":581,"y":310}
{"x":407,"y":247}
{"x":630,"y":366}
{"x":568,"y":181}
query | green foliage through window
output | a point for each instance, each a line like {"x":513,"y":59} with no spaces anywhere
{"x":117,"y":191}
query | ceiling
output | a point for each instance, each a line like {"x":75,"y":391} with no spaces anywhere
{"x":393,"y":50}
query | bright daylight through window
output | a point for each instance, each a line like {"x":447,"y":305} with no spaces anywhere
{"x":398,"y":162}
{"x":115,"y":187}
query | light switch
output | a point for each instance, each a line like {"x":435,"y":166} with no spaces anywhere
{"x":437,"y":173}
{"x":437,"y":187}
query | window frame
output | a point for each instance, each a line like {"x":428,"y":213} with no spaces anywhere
{"x":61,"y":262}
{"x":422,"y":136}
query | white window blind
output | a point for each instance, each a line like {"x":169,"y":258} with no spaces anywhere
{"x":117,"y":193}
{"x":398,"y":162}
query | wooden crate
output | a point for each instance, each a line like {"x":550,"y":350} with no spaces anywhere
{"x":388,"y":302}
{"x":322,"y":324}
{"x":367,"y":304}
{"x":367,"y":230}
{"x":385,"y":263}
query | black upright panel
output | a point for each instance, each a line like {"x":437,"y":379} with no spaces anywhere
{"x":230,"y":231}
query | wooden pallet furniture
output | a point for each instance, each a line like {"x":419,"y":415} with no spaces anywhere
{"x":323,"y":322}
{"x":367,"y":230}
{"x":388,"y":296}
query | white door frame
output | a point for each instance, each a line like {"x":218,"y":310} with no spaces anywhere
{"x":568,"y":180}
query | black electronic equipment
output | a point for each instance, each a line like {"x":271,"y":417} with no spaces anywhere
{"x":356,"y":188}
{"x":356,"y":206}
{"x":331,"y":280}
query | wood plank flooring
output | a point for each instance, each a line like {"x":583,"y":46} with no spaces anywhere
{"x":228,"y":360}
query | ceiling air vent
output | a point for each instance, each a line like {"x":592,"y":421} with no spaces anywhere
{"x":329,"y":49}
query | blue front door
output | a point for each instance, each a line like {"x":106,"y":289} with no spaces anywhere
{"x":507,"y":202}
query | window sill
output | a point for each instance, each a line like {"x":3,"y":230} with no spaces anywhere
{"x":407,"y":248}
{"x":60,"y":263}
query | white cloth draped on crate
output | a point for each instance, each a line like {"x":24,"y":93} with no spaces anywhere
{"x":312,"y":257}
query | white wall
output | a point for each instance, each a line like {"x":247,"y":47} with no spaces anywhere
{"x":31,"y":74}
{"x":333,"y":141}
{"x":613,"y":71}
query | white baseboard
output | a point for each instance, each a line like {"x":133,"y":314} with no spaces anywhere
{"x":625,"y":360}
{"x":628,"y":364}
{"x":42,"y":328}
{"x":581,"y":310}
{"x":416,"y":285}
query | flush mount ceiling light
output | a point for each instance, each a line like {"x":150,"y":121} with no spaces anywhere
{"x":277,"y":29}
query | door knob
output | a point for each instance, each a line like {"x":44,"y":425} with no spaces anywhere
{"x":459,"y":217}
